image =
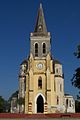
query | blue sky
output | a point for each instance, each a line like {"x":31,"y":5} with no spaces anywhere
{"x":17,"y":20}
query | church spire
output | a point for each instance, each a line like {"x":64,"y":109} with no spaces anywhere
{"x":40,"y":26}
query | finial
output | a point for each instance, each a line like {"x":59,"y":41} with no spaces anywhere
{"x":40,"y":5}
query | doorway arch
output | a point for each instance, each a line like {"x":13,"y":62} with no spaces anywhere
{"x":39,"y":103}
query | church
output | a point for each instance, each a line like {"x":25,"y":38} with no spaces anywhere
{"x":41,"y":77}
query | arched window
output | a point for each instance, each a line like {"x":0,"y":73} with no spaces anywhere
{"x":70,"y":103}
{"x":57,"y":100}
{"x":67,"y":102}
{"x":54,"y":86}
{"x":40,"y":83}
{"x":56,"y":70}
{"x":36,"y":49}
{"x":44,"y":48}
{"x":60,"y":87}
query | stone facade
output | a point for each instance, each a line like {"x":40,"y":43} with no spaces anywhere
{"x":50,"y":89}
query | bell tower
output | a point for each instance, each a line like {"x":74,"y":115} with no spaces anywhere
{"x":40,"y":38}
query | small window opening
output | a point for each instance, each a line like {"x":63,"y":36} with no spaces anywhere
{"x":57,"y":70}
{"x":60,"y":87}
{"x":70,"y":103}
{"x":36,"y":49}
{"x":44,"y":48}
{"x":57,"y":100}
{"x":40,"y":83}
{"x":54,"y":86}
{"x":67,"y":102}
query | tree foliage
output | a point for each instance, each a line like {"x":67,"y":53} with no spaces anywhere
{"x":76,"y":80}
{"x":76,"y":77}
{"x":6,"y":104}
{"x":77,"y":106}
{"x":77,"y":53}
{"x":2,"y":104}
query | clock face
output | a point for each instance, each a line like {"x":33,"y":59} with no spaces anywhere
{"x":40,"y":66}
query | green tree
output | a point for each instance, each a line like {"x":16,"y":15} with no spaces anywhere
{"x":76,"y":77}
{"x":6,"y":104}
{"x":77,"y":53}
{"x":2,"y":104}
{"x":77,"y":106}
{"x":76,"y":80}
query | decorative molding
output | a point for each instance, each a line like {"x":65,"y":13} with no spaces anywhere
{"x":31,"y":90}
{"x":58,"y":76}
{"x":49,"y":90}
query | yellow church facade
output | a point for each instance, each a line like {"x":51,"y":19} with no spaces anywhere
{"x":44,"y":93}
{"x":41,"y":79}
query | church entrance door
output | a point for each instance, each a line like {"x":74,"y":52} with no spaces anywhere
{"x":40,"y":104}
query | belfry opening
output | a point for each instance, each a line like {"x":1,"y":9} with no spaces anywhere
{"x":40,"y":104}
